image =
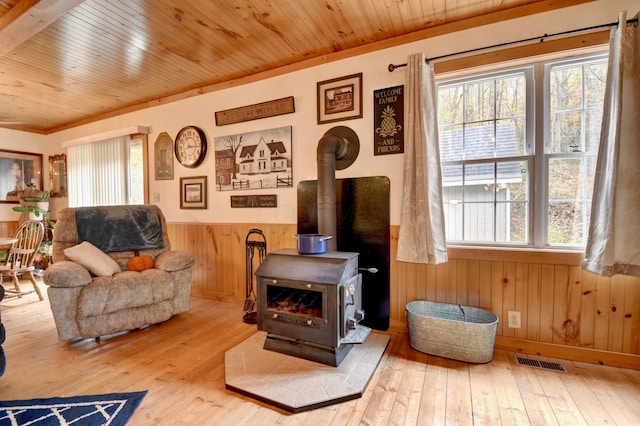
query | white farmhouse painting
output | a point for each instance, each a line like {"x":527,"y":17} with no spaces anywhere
{"x":254,"y":160}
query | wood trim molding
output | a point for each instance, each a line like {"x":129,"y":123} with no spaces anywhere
{"x":550,"y":257}
{"x":574,"y":353}
{"x":529,"y":50}
{"x":131,"y":130}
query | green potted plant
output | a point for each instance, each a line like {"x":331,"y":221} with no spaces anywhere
{"x":35,"y":206}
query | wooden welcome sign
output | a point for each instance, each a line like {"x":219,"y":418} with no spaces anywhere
{"x":255,"y":111}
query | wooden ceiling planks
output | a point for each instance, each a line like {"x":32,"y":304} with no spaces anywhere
{"x":107,"y":56}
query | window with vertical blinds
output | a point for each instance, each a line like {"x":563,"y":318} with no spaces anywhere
{"x":98,"y":173}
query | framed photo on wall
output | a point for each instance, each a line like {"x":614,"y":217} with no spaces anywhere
{"x":340,"y":98}
{"x":18,"y":171}
{"x":193,"y":192}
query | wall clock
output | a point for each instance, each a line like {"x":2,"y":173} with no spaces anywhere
{"x":191,"y":146}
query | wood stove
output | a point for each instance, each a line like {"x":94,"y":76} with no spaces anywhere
{"x":310,"y":305}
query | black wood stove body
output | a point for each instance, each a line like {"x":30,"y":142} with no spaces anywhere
{"x":310,"y":305}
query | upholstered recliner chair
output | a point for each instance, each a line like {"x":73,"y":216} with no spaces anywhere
{"x":91,"y":291}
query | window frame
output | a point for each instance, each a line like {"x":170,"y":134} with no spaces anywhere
{"x":528,"y":156}
{"x":537,"y":140}
{"x":544,"y":142}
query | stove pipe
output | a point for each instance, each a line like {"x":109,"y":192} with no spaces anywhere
{"x":337,"y":149}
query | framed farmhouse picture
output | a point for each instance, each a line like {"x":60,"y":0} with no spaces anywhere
{"x":340,"y":99}
{"x":254,"y":160}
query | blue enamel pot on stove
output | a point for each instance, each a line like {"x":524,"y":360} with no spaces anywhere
{"x":312,"y":243}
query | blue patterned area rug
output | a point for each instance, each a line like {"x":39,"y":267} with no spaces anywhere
{"x":112,"y":409}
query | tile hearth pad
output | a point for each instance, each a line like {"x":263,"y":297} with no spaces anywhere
{"x":296,"y":384}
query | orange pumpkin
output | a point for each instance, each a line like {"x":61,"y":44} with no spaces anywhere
{"x":140,"y":262}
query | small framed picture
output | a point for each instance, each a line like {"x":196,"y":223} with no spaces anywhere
{"x":340,"y":99}
{"x":193,"y":192}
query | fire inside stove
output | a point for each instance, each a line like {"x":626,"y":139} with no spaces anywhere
{"x":294,"y":301}
{"x":311,"y":305}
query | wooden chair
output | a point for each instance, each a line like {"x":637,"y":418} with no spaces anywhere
{"x":20,"y":256}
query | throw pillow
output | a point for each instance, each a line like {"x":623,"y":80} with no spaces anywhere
{"x":92,"y":258}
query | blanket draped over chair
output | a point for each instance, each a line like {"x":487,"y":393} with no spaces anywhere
{"x":120,"y":228}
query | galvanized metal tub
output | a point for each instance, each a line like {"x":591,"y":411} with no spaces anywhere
{"x":464,"y":333}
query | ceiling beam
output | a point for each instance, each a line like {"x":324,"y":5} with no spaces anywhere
{"x":29,"y":17}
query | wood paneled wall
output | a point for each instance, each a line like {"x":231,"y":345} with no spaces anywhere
{"x":565,"y":311}
{"x":220,"y":252}
{"x":8,"y":228}
{"x":562,"y":307}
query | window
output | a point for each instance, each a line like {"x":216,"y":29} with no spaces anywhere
{"x":136,"y":172}
{"x":574,"y":98}
{"x":109,"y":172}
{"x":495,"y":149}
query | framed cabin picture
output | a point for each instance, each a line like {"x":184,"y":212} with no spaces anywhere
{"x":340,"y":98}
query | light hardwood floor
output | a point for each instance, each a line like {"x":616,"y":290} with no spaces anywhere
{"x":181,"y":364}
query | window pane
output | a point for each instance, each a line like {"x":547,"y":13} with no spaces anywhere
{"x":450,"y":103}
{"x":487,"y":202}
{"x":565,"y":87}
{"x":593,"y":126}
{"x":479,"y":219}
{"x":512,"y":197}
{"x":567,"y":223}
{"x":566,"y":179}
{"x":570,"y":190}
{"x":452,"y":201}
{"x":493,"y":124}
{"x":479,"y":140}
{"x":450,"y":138}
{"x":510,"y":97}
{"x":517,"y":224}
{"x":136,"y":172}
{"x":566,"y":132}
{"x":513,"y":178}
{"x":576,"y":94}
{"x":510,"y":137}
{"x":595,"y":75}
{"x":479,"y":101}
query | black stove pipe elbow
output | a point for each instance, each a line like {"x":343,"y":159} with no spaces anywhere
{"x":337,"y":149}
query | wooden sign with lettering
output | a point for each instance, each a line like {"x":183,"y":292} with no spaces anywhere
{"x":244,"y":201}
{"x":255,"y":111}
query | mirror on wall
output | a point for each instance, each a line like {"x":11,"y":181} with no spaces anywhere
{"x":58,"y":175}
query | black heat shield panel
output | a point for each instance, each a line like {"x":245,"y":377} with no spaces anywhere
{"x":363,"y":226}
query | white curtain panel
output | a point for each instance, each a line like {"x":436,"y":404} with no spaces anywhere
{"x":613,"y":245}
{"x":422,"y":232}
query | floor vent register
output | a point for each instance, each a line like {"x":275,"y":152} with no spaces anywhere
{"x":543,"y":365}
